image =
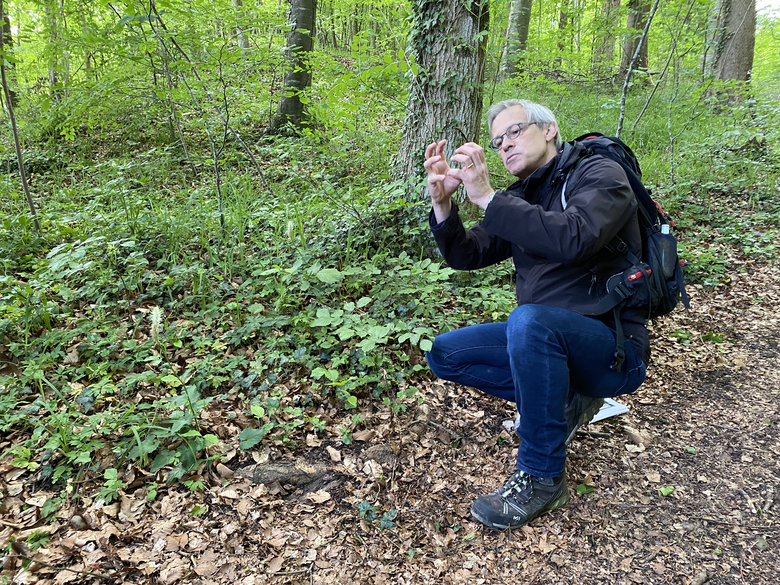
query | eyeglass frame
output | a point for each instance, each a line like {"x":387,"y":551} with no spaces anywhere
{"x":522,"y":125}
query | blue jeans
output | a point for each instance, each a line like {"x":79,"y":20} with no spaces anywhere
{"x":535,"y":360}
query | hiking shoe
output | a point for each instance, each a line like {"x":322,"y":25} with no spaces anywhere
{"x":579,"y":412}
{"x":521,"y":499}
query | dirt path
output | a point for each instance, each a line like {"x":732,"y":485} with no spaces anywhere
{"x":705,"y":424}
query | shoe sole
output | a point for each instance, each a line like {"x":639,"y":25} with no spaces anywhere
{"x":558,"y":503}
{"x":584,"y":418}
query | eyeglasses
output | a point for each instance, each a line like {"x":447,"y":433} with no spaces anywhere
{"x":514,"y":131}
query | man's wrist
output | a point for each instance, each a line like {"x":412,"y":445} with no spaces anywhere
{"x":442,"y":210}
{"x":490,"y":198}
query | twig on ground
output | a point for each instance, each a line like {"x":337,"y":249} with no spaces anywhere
{"x":45,"y":564}
{"x":453,"y":434}
{"x":294,"y":572}
{"x":727,"y":428}
{"x":391,"y":541}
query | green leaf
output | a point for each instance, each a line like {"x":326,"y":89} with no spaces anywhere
{"x":257,"y":410}
{"x":691,"y":450}
{"x":330,"y":275}
{"x":583,"y":489}
{"x":251,"y":437}
{"x":386,"y":521}
{"x":345,"y":332}
{"x":666,"y":490}
{"x":197,"y":510}
{"x":363,"y":301}
{"x":171,"y":380}
{"x":426,"y":345}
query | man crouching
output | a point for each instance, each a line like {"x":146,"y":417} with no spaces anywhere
{"x":553,"y":359}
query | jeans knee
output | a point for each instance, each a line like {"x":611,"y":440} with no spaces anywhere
{"x":436,"y":358}
{"x":524,"y":320}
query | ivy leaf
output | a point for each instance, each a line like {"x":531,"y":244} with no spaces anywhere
{"x":386,"y":521}
{"x":666,"y":490}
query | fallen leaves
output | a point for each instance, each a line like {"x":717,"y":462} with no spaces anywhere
{"x":318,"y":497}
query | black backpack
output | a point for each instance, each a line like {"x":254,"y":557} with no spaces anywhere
{"x":655,"y":280}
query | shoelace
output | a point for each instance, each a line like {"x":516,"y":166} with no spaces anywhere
{"x":517,"y":482}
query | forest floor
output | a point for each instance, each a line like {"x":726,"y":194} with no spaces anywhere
{"x":393,"y":507}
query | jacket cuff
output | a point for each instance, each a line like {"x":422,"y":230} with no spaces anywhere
{"x":448,"y":224}
{"x":493,"y":210}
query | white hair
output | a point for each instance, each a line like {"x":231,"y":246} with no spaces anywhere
{"x":536,"y":113}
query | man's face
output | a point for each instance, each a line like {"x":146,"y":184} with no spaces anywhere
{"x":532,"y":149}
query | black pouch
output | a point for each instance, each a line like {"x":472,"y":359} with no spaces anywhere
{"x":634,"y":285}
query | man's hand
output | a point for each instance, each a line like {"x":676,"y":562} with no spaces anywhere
{"x":441,"y":184}
{"x":474,"y":174}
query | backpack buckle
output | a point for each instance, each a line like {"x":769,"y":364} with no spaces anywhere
{"x":623,"y":291}
{"x":620,"y":357}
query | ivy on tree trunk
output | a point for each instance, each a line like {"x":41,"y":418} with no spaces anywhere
{"x":448,"y":40}
{"x":735,"y":39}
{"x":300,"y":42}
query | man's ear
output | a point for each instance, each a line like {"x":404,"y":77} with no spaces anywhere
{"x":551,"y":132}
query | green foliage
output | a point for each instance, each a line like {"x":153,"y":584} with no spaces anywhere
{"x":370,"y":513}
{"x":583,"y":489}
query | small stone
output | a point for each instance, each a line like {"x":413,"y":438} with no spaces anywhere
{"x":77,"y":523}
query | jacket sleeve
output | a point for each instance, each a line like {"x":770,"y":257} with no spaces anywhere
{"x":599,"y":203}
{"x":467,"y":250}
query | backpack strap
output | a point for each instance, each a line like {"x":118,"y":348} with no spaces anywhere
{"x":618,"y":296}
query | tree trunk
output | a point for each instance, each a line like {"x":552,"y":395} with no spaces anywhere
{"x":516,"y":36}
{"x":635,"y":23}
{"x":735,"y":39}
{"x":65,"y":52}
{"x":300,"y":42}
{"x":88,"y":55}
{"x":448,"y":39}
{"x":563,"y":23}
{"x":51,"y":19}
{"x":604,"y":51}
{"x":15,"y":131}
{"x":7,"y":40}
{"x":243,"y":39}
